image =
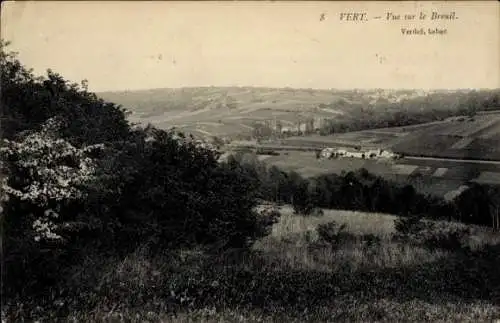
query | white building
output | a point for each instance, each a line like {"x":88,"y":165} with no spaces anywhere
{"x":350,"y":153}
{"x":374,"y":153}
{"x":389,"y":154}
{"x":342,"y":152}
{"x":355,"y":154}
{"x":328,"y":152}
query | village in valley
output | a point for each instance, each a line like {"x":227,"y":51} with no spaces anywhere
{"x":314,"y":132}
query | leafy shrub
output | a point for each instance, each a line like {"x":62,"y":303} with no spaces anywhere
{"x":431,"y":234}
{"x":334,"y":234}
{"x":410,"y":225}
{"x":44,"y":188}
{"x":371,"y":240}
{"x":301,"y":199}
{"x":167,"y":190}
{"x":268,"y":217}
{"x":447,"y":237}
{"x":317,"y":212}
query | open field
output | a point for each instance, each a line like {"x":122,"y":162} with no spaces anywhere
{"x":364,"y":223}
{"x":293,"y":276}
{"x":365,"y":139}
{"x":300,"y":160}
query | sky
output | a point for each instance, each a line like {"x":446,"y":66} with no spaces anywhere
{"x":128,"y":45}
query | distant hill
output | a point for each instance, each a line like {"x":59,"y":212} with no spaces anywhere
{"x":229,"y":111}
{"x":234,"y":111}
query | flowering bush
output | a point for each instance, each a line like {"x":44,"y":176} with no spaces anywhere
{"x":45,"y":173}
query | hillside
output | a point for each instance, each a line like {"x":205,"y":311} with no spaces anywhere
{"x":462,"y":138}
{"x":234,"y":112}
{"x":229,"y":111}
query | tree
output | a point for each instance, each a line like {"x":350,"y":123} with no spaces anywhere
{"x":28,"y":101}
{"x":218,"y":142}
{"x":494,"y":193}
{"x":44,"y":188}
{"x":417,"y":179}
{"x":301,"y":199}
{"x":45,"y":175}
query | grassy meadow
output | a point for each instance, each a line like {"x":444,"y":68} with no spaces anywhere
{"x":292,"y":275}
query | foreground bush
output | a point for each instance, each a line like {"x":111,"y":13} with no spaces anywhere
{"x":43,"y":192}
{"x":166,"y":190}
{"x":334,"y":234}
{"x":433,"y":235}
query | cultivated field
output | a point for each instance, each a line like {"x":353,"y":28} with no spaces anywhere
{"x":477,"y":139}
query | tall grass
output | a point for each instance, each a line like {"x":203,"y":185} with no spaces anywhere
{"x":291,"y":275}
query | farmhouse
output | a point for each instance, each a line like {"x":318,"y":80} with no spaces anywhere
{"x":328,"y":153}
{"x":373,"y":153}
{"x":387,"y":154}
{"x":355,"y":154}
{"x":318,"y":123}
{"x":294,"y":129}
{"x":369,"y":154}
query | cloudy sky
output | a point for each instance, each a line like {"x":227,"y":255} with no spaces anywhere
{"x":138,"y":45}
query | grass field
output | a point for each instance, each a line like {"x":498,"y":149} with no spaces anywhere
{"x":292,"y":277}
{"x":351,"y":139}
{"x":308,"y":161}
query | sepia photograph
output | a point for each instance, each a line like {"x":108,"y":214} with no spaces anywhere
{"x":250,"y":161}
